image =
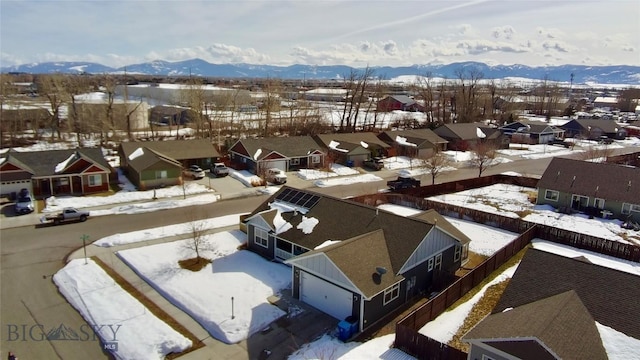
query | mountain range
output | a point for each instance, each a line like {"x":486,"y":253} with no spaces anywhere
{"x":612,"y":74}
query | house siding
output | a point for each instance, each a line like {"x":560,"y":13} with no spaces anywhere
{"x":477,"y":352}
{"x":564,"y":204}
{"x":258,"y":249}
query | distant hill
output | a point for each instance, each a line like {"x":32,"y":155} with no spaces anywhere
{"x":614,"y":74}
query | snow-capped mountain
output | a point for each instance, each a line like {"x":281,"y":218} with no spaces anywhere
{"x":614,"y":74}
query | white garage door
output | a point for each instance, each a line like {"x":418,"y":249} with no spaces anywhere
{"x":325,"y":296}
{"x":279,"y":164}
{"x":10,"y":187}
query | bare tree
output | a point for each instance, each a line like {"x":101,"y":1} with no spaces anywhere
{"x":436,"y":164}
{"x":197,"y":242}
{"x":466,"y":99}
{"x":596,"y":153}
{"x":425,"y":88}
{"x":53,"y":88}
{"x":484,"y":154}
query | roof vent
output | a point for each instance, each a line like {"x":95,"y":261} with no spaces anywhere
{"x":573,"y":180}
{"x":629,"y":185}
{"x":381,"y":270}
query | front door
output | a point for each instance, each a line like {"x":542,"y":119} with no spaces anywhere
{"x":579,"y":202}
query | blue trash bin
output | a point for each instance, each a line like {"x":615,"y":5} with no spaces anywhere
{"x":353,"y":322}
{"x":344,"y":330}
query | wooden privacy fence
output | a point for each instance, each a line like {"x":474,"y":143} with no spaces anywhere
{"x":407,"y":337}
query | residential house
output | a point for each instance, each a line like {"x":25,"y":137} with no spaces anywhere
{"x":55,"y":172}
{"x":154,"y":164}
{"x":352,"y":148}
{"x":199,"y":152}
{"x":352,"y":260}
{"x":284,"y":153}
{"x":606,"y":102}
{"x":464,"y":136}
{"x":599,"y":189}
{"x":149,"y":169}
{"x":532,"y":132}
{"x":420,"y":143}
{"x":594,"y":129}
{"x":165,"y":115}
{"x":398,"y":102}
{"x":556,"y":307}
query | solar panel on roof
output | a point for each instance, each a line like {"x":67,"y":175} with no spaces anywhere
{"x":298,"y":198}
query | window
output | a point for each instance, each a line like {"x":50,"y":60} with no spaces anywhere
{"x":315,"y":159}
{"x":161,"y":174}
{"x":430,"y":264}
{"x":439,"y":261}
{"x":628,"y":208}
{"x":295,"y":161}
{"x":95,"y":180}
{"x":456,"y":255}
{"x":63,"y":181}
{"x":391,"y":294}
{"x":598,"y":203}
{"x":261,"y":237}
{"x":551,"y":195}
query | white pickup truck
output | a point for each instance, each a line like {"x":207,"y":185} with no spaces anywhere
{"x":67,"y":214}
{"x":219,"y":170}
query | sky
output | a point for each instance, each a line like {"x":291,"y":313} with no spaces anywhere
{"x":325,"y":32}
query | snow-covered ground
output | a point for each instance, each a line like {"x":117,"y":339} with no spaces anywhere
{"x":330,"y":348}
{"x":228,"y":297}
{"x":120,"y":318}
{"x":336,"y":170}
{"x":512,"y":201}
{"x":364,"y":178}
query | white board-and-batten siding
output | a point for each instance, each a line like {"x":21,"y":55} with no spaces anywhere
{"x":320,"y":264}
{"x":434,"y":243}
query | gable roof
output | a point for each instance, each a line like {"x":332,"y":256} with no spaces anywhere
{"x":293,"y":146}
{"x":44,"y":163}
{"x":561,"y":322}
{"x":402,"y":234}
{"x":433,"y":217}
{"x":610,"y":296}
{"x":351,"y":140}
{"x":423,"y":138}
{"x":175,"y":149}
{"x":403,"y":99}
{"x":466,"y":131}
{"x":364,"y":276}
{"x":603,"y":180}
{"x":607,"y":126}
{"x":145,"y":157}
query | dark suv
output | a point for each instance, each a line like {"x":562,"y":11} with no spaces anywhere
{"x":374,"y":164}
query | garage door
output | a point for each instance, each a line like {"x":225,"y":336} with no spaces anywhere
{"x":325,"y":296}
{"x":10,"y":188}
{"x":279,"y":164}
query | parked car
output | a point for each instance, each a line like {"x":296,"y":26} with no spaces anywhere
{"x":195,"y":172}
{"x":24,"y":203}
{"x":276,"y":176}
{"x":403,"y":183}
{"x":559,"y":142}
{"x":375,"y":163}
{"x":219,"y":170}
{"x":605,"y":140}
{"x":67,"y":214}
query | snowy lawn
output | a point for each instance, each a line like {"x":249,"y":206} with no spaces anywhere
{"x":401,"y":162}
{"x":207,"y":295}
{"x":330,"y":348}
{"x":512,"y":201}
{"x":245,"y":177}
{"x":347,"y":180}
{"x":485,"y":240}
{"x":336,"y":170}
{"x":138,"y":333}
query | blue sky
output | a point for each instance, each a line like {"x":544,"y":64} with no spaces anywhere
{"x":322,"y":32}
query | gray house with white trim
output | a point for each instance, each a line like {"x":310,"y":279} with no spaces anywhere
{"x":353,"y":260}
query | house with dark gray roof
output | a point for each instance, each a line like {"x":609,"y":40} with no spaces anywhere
{"x":554,"y":308}
{"x":598,"y":189}
{"x":352,"y":148}
{"x":594,"y":129}
{"x":56,"y":172}
{"x":464,"y":136}
{"x":352,"y":260}
{"x":398,"y":102}
{"x":421,"y":143}
{"x":284,"y":153}
{"x":199,"y":152}
{"x":532,"y":132}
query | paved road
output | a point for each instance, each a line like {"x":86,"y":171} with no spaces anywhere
{"x":31,"y":254}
